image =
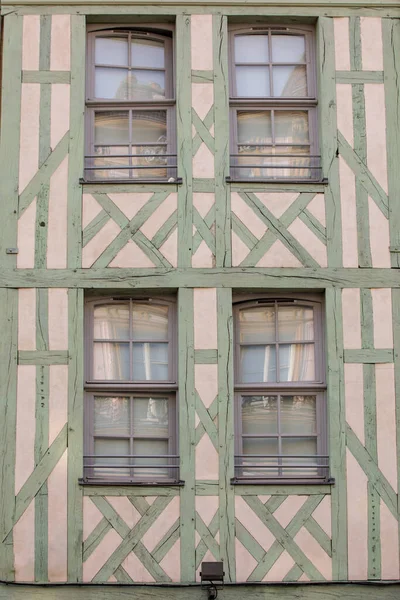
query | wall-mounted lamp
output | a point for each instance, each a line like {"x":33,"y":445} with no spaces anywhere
{"x":212,"y":573}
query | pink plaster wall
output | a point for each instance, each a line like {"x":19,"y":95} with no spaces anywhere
{"x":201,"y":42}
{"x":205,"y":318}
{"x":351,"y":318}
{"x":57,"y":217}
{"x":342,"y":43}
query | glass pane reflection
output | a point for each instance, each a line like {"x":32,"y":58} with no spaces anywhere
{"x":298,"y":415}
{"x":296,"y":362}
{"x":257,"y":363}
{"x":259,"y":415}
{"x":110,"y":361}
{"x":111,"y":416}
{"x":111,"y":322}
{"x":257,"y":325}
{"x":150,"y":417}
{"x":150,"y":361}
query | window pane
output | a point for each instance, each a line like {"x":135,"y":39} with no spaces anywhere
{"x":254,"y":127}
{"x":111,"y":416}
{"x":259,"y":415}
{"x":146,"y":85}
{"x":111,"y":51}
{"x":291,"y":127}
{"x":304,"y":447}
{"x":111,"y":322}
{"x":257,"y":364}
{"x":150,"y":322}
{"x":290,"y":81}
{"x":298,"y":414}
{"x":111,"y":127}
{"x":295,"y":323}
{"x":111,"y":165}
{"x":150,"y":362}
{"x":111,"y":83}
{"x":147,"y":53}
{"x":111,"y":448}
{"x":149,"y":126}
{"x":288,"y":48}
{"x":296,"y":362}
{"x":150,"y":417}
{"x":252,"y":82}
{"x":257,"y":325}
{"x":110,"y":361}
{"x":146,"y":447}
{"x":254,"y":466}
{"x":251,"y":48}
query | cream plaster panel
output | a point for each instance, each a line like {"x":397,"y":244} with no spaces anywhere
{"x":29,"y":135}
{"x":59,"y":112}
{"x":203,"y":202}
{"x":171,"y":563}
{"x":169,"y":249}
{"x":99,"y":243}
{"x":252,"y":523}
{"x":354,"y":398}
{"x":264,"y":498}
{"x":207,"y":463}
{"x":389,"y":544}
{"x":202,"y":98}
{"x":277,"y":202}
{"x":239,"y":250}
{"x":303,"y":578}
{"x":30,"y":42}
{"x":57,"y":229}
{"x":91,"y":517}
{"x":278,"y":256}
{"x":203,"y":257}
{"x":27,"y":319}
{"x":25,"y":436}
{"x":344,"y":103}
{"x":247,"y":216}
{"x":201,"y":42}
{"x":349,"y":215}
{"x":322,"y":514}
{"x":386,"y":421}
{"x":131,"y":256}
{"x":371,"y":43}
{"x":27,"y":238}
{"x":151,"y":499}
{"x":136,"y":570}
{"x":101,"y":554}
{"x":206,"y":382}
{"x":60,"y":43}
{"x":207,"y":506}
{"x":382,"y":311}
{"x":288,"y":509}
{"x":125,"y":509}
{"x":205,"y":318}
{"x":309,"y":241}
{"x":159,"y":216}
{"x":90,"y":209}
{"x":112,"y":579}
{"x":378,"y":236}
{"x":351,"y":318}
{"x":317,"y":208}
{"x":245,"y":563}
{"x":130,"y":204}
{"x":58,"y":520}
{"x":203,"y":163}
{"x":308,"y":544}
{"x":357,"y":519}
{"x":280,"y":568}
{"x":376,"y":131}
{"x":342,"y":43}
{"x":161,"y":525}
{"x":24,"y":545}
{"x":58,"y":399}
{"x":58,"y":318}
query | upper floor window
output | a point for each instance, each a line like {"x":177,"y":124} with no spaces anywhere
{"x":130,"y":416}
{"x":130,"y":105}
{"x":280,"y":390}
{"x":273,"y":102}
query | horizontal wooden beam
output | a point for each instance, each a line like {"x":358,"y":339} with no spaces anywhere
{"x":251,"y":278}
{"x":43,"y":357}
{"x":359,"y":76}
{"x":266,"y":591}
{"x":368,"y":356}
{"x":46,"y":77}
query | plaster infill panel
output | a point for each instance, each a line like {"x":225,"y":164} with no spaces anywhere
{"x":280,"y":568}
{"x":375,"y":118}
{"x":351,"y":318}
{"x":386,"y":421}
{"x":160,"y":216}
{"x":371,"y":43}
{"x":161,"y":525}
{"x":205,"y":318}
{"x":60,"y":50}
{"x":378,"y":236}
{"x":203,"y":163}
{"x":207,"y":507}
{"x":245,"y":563}
{"x":24,"y":545}
{"x":344,"y":103}
{"x":58,"y":318}
{"x":309,"y":545}
{"x":27,"y":238}
{"x":171,"y":563}
{"x":389,"y":544}
{"x":30,"y":42}
{"x":349,"y":215}
{"x":207,"y":460}
{"x":57,"y":218}
{"x":57,"y":521}
{"x":357,"y":519}
{"x":91,"y":517}
{"x":58,"y":399}
{"x":29,"y":133}
{"x":59,"y":112}
{"x":382,"y":314}
{"x":309,"y":241}
{"x":247,"y":216}
{"x":202,"y":98}
{"x":201,"y":42}
{"x":27,"y":319}
{"x":253,"y":524}
{"x":354,"y":398}
{"x":206,"y":383}
{"x":101,"y":554}
{"x":322,"y":515}
{"x":239,"y":250}
{"x":342,"y":43}
{"x":99,"y":243}
{"x":25,"y":435}
{"x":203,"y":258}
